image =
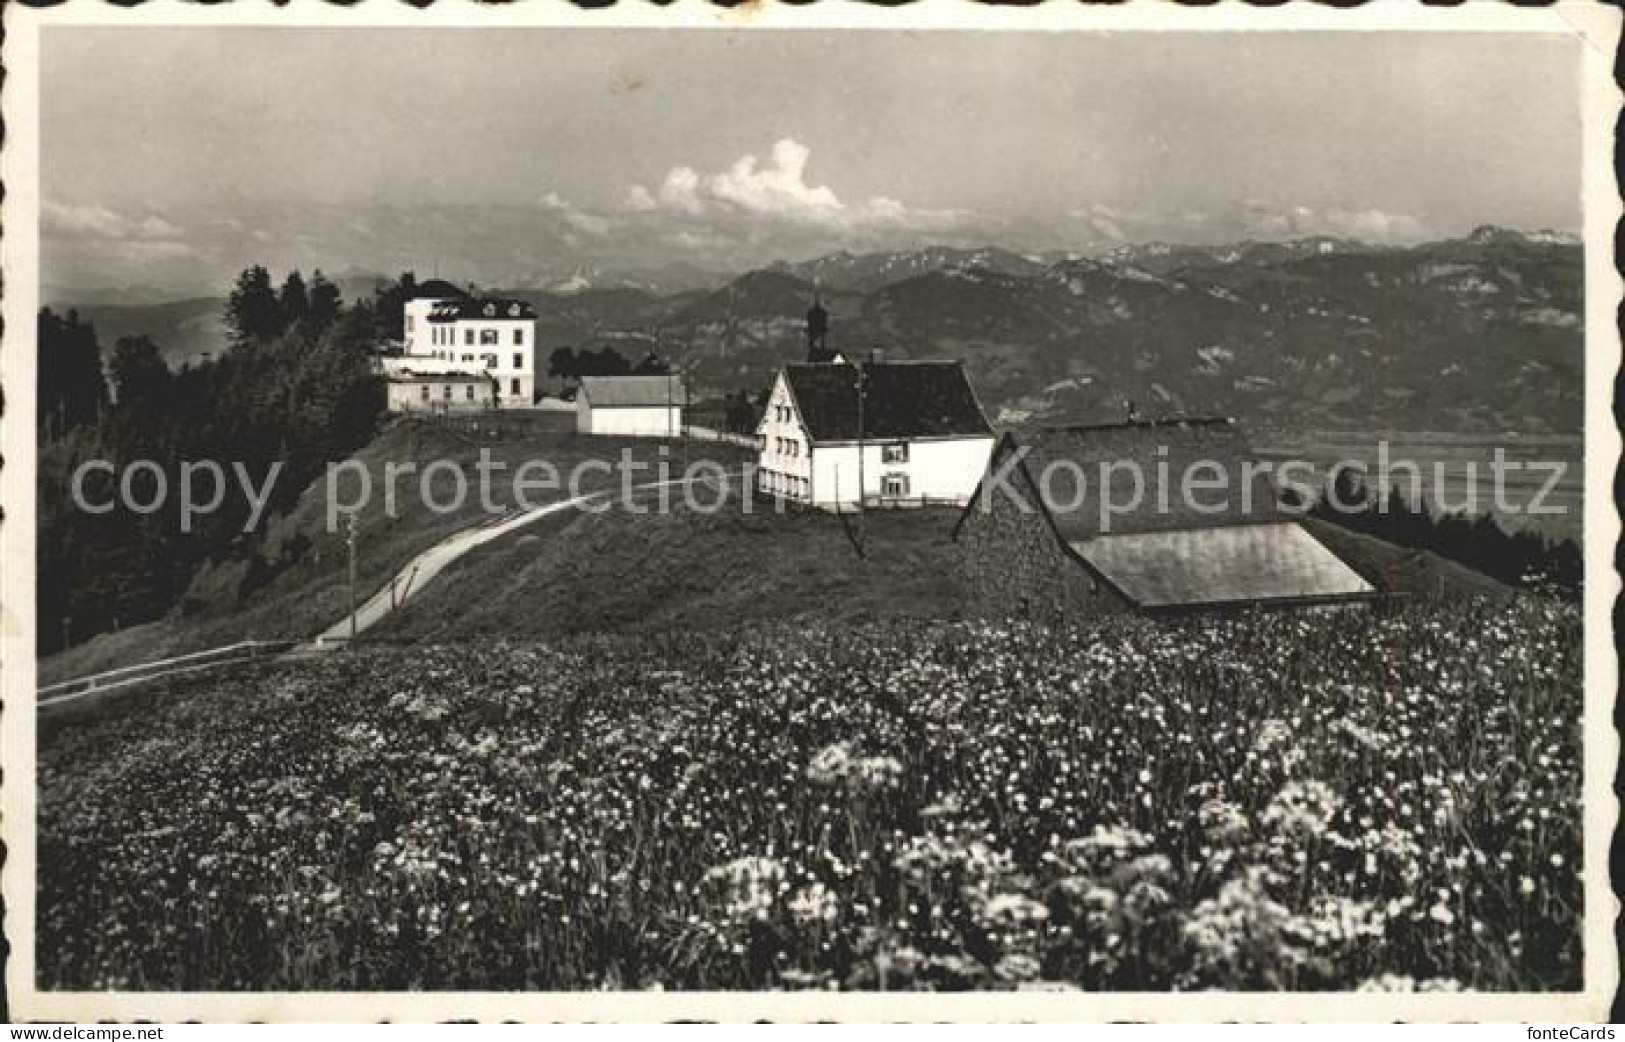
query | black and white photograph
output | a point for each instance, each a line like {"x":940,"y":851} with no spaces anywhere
{"x":706,"y":513}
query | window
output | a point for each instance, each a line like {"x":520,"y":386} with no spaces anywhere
{"x":468,"y":336}
{"x":425,"y":392}
{"x":515,"y":385}
{"x":894,"y":486}
{"x":897,"y":453}
{"x":470,"y":392}
{"x":489,"y":338}
{"x":448,"y":391}
{"x":518,"y":340}
{"x":518,"y":360}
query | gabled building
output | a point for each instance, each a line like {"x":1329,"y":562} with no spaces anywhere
{"x":631,"y":406}
{"x":447,"y":330}
{"x":911,"y":432}
{"x":1132,"y":516}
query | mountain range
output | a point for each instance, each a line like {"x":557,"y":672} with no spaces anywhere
{"x":1482,"y":333}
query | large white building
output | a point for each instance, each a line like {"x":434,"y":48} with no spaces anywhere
{"x":449,"y":332}
{"x":910,"y":432}
{"x":631,"y":406}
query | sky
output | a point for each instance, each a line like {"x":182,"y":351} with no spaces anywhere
{"x":172,"y":157}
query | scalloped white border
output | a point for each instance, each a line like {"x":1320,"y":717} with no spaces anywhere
{"x":1597,"y":26}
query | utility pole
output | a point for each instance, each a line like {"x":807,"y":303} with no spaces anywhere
{"x":862,"y":546}
{"x":350,"y":543}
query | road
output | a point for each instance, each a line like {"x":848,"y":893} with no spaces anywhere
{"x":421,"y":570}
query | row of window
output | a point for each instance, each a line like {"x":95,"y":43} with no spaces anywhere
{"x":783,"y":413}
{"x":892,"y":486}
{"x":446,"y":335}
{"x":489,"y":361}
{"x":514,"y":387}
{"x":787,"y":447}
{"x":785,"y":484}
{"x":447,"y":390}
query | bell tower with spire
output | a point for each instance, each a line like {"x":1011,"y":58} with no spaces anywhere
{"x":818,"y":349}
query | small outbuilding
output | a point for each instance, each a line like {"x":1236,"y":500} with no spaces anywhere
{"x":631,"y":406}
{"x":419,"y":392}
{"x":1160,"y":517}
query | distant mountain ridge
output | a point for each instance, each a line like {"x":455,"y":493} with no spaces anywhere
{"x":1483,"y":332}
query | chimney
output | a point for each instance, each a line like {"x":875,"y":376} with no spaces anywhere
{"x":876,"y":356}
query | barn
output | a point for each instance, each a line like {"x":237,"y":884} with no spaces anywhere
{"x":631,"y":406}
{"x":1159,"y":517}
{"x":911,"y":432}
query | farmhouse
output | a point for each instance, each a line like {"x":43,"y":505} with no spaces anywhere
{"x":909,"y":432}
{"x":631,"y":406}
{"x":1161,"y":516}
{"x":450,"y":331}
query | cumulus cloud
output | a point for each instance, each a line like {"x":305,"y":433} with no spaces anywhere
{"x":776,"y":189}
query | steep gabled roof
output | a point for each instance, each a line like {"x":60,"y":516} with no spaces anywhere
{"x":633,"y":391}
{"x":1158,"y":455}
{"x":901,"y":400}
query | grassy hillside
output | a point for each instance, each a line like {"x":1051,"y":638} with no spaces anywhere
{"x":299,"y":584}
{"x":623,"y":572}
{"x":1266,"y":801}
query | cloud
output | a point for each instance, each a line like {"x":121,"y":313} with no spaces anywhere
{"x":574,"y":217}
{"x":1248,"y":219}
{"x":776,"y":190}
{"x":99,"y":222}
{"x":1264,"y":220}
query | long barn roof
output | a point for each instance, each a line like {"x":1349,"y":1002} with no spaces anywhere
{"x":1116,"y":497}
{"x":1093,"y":473}
{"x":1211,"y":566}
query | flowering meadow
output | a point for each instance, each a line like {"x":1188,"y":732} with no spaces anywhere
{"x":1335,"y":800}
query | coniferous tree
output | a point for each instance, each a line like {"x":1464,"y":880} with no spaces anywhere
{"x":252,"y":311}
{"x":294,"y":300}
{"x":325,"y":302}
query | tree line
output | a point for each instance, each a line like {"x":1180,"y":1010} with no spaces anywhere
{"x":1523,"y":558}
{"x":294,"y":386}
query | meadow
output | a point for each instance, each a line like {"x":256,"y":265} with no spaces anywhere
{"x":1335,"y":800}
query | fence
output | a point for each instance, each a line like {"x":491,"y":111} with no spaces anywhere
{"x":68,"y":691}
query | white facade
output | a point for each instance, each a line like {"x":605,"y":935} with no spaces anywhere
{"x":631,"y":421}
{"x":442,"y":393}
{"x":494,"y":340}
{"x":899,"y":472}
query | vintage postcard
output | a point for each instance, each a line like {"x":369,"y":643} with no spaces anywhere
{"x":809,"y":512}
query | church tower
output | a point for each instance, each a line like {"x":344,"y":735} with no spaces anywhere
{"x":818,"y":350}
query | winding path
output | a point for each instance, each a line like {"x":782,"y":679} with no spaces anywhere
{"x":422,"y":569}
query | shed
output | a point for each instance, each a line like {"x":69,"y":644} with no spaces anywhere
{"x":631,"y":406}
